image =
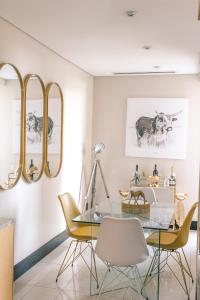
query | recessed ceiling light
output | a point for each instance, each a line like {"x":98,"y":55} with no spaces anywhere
{"x":130,"y":13}
{"x":146,"y":47}
{"x":156,"y":67}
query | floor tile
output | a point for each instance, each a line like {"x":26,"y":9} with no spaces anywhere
{"x":56,"y":256}
{"x":41,"y":293}
{"x":44,"y":275}
{"x":20,"y":290}
{"x":39,"y":283}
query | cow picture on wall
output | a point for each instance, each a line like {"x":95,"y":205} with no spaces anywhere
{"x":34,"y":126}
{"x":157,"y":127}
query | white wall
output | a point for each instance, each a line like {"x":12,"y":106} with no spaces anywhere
{"x":110,"y":104}
{"x":35,"y":207}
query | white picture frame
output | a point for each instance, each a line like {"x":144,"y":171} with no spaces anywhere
{"x":157,"y":127}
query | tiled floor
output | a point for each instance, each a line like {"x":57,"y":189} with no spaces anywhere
{"x":39,"y":282}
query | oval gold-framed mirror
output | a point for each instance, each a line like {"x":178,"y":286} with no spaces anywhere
{"x":11,"y":125}
{"x":54,"y":132}
{"x":34,"y":133}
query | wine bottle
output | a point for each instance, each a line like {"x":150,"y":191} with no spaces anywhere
{"x":31,"y":169}
{"x":31,"y":164}
{"x":136,"y":176}
{"x":155,"y":171}
{"x":172,"y":178}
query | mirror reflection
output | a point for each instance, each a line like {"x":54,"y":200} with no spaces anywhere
{"x":54,"y":130}
{"x":11,"y":89}
{"x":34,"y":133}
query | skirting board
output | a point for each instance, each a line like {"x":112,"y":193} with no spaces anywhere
{"x":194,"y":225}
{"x":36,"y":256}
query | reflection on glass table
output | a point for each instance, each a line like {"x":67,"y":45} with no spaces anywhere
{"x":157,"y":219}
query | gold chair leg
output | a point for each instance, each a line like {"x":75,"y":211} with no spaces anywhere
{"x":189,"y":270}
{"x":61,"y":267}
{"x":179,"y":261}
{"x":150,"y":269}
{"x":154,"y":266}
{"x":66,"y":261}
{"x":74,"y":253}
{"x":94,"y":260}
{"x":183,"y":274}
{"x":94,"y":276}
{"x":172,"y":271}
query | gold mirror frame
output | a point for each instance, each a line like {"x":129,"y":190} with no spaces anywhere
{"x":21,"y":125}
{"x":24,"y":172}
{"x":48,"y":88}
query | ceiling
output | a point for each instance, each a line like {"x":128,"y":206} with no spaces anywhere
{"x":99,"y":37}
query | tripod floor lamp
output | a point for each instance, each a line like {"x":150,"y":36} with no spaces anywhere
{"x":91,"y":188}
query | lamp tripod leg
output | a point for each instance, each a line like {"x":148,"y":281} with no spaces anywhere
{"x":90,"y":185}
{"x":103,"y":179}
{"x":93,"y":186}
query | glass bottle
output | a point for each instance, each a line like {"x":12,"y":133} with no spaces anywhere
{"x":172,"y":178}
{"x":31,"y":169}
{"x":31,"y":164}
{"x":155,"y":171}
{"x":136,"y":176}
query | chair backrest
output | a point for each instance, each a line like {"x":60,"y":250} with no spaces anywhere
{"x":164,"y":195}
{"x":149,"y":193}
{"x":70,"y":210}
{"x":121,"y":242}
{"x":183,"y":234}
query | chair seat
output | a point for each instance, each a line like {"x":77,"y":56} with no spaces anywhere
{"x":167,"y":240}
{"x":85,"y":233}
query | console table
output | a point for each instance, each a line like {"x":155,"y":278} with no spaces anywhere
{"x":6,"y":258}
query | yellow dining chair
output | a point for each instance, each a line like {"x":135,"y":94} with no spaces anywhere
{"x":81,"y":233}
{"x":171,"y":242}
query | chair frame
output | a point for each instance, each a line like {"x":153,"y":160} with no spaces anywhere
{"x":122,"y":271}
{"x":70,"y":259}
{"x":79,"y":240}
{"x":185,"y":268}
{"x":172,"y":251}
{"x":120,"y":265}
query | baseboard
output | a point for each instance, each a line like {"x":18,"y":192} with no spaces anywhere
{"x":36,"y":256}
{"x":193,"y":225}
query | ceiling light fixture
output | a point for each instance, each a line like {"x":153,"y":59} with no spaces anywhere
{"x":146,"y":47}
{"x":130,"y":13}
{"x":145,"y":73}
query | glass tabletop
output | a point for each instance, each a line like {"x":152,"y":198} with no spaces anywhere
{"x":159,"y":217}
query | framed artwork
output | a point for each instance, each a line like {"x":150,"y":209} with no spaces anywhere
{"x":157,"y":127}
{"x":34,"y":126}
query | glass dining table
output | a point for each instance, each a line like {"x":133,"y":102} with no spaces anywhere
{"x":157,"y":219}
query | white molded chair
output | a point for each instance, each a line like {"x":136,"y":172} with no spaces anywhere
{"x":149,"y":193}
{"x":121,"y":245}
{"x":164,"y":195}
